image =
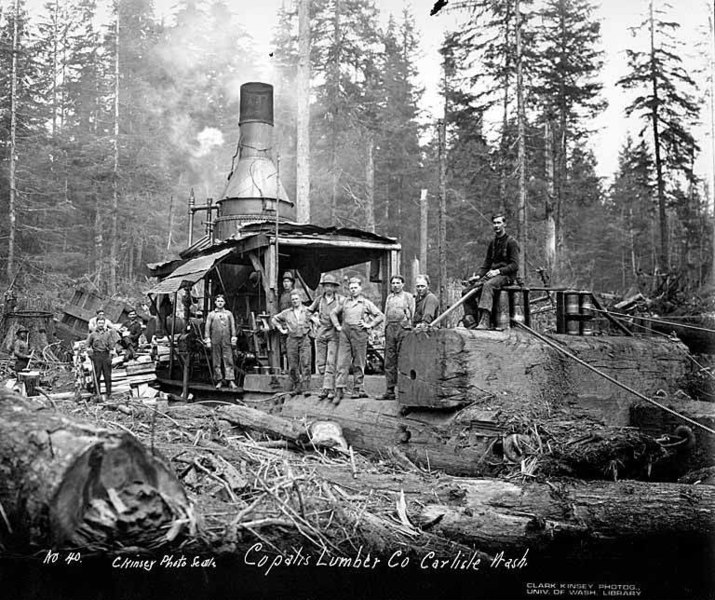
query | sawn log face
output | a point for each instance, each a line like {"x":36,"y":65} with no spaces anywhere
{"x":518,"y":374}
{"x":66,"y":484}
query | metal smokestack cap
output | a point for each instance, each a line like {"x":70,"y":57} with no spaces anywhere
{"x":256,"y":103}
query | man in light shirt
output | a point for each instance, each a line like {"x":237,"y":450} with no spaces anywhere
{"x":399,"y":312}
{"x":352,"y":319}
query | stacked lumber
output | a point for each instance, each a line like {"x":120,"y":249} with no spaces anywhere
{"x":128,"y":376}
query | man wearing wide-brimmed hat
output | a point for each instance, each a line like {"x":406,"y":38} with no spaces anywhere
{"x":21,"y":349}
{"x":326,"y":337}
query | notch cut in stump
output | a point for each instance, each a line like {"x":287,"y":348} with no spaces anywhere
{"x":66,"y":484}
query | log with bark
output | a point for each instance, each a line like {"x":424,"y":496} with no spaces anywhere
{"x":495,"y":515}
{"x":68,"y":484}
{"x":471,"y":441}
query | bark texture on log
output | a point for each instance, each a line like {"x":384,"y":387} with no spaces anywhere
{"x":516,"y":373}
{"x":495,"y":515}
{"x":431,"y":439}
{"x":69,"y":484}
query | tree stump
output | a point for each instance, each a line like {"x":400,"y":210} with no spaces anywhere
{"x":66,"y":484}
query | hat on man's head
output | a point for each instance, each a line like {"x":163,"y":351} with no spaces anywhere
{"x":355,"y":280}
{"x":99,"y":310}
{"x":329,"y":279}
{"x":288,"y":275}
{"x":22,"y":329}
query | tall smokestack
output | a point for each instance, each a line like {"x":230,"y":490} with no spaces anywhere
{"x":253,"y":191}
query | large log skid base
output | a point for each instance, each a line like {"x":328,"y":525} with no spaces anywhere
{"x":65,"y":484}
{"x":520,"y":374}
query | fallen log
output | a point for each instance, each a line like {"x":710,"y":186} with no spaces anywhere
{"x":494,"y":514}
{"x":521,"y":375}
{"x":67,"y":484}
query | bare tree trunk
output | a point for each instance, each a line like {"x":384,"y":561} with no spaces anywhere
{"x":303,"y":116}
{"x":55,"y":41}
{"x":712,"y":135}
{"x":114,"y":242}
{"x":505,"y":117}
{"x":370,"y":183}
{"x":442,"y":222}
{"x":663,"y":258}
{"x":171,"y":222}
{"x":521,"y":212}
{"x":334,"y":138}
{"x":424,"y":212}
{"x":550,"y":249}
{"x":12,"y":209}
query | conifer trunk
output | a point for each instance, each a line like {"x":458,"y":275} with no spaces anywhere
{"x":12,"y":208}
{"x":114,"y":242}
{"x":522,"y":214}
{"x":303,"y":116}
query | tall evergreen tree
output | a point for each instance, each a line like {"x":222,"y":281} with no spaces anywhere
{"x":665,"y":102}
{"x":568,"y":91}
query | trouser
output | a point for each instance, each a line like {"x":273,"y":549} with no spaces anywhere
{"x":352,"y":350}
{"x":298,"y":349}
{"x":102,"y":362}
{"x":129,"y":347}
{"x":394,"y":334}
{"x":326,"y":357}
{"x":222,"y":353}
{"x":484,"y":300}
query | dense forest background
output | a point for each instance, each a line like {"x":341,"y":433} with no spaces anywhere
{"x":109,"y":118}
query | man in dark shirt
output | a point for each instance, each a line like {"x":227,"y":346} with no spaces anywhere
{"x":131,"y":332}
{"x":21,"y":349}
{"x":426,"y":303}
{"x":499,"y":268}
{"x":101,"y":345}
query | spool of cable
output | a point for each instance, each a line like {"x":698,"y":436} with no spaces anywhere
{"x":586,"y":313}
{"x":502,"y":320}
{"x":572,"y":313}
{"x":516,"y":306}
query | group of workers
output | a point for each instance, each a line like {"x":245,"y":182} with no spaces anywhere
{"x":341,"y":326}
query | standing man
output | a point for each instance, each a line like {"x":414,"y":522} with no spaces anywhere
{"x":92,"y":325}
{"x":326,"y":338}
{"x":132,"y":331}
{"x":101,"y":344}
{"x":426,"y":304}
{"x":294,"y":322}
{"x":220,"y":336}
{"x":352,"y":347}
{"x":21,"y":349}
{"x":399,"y":312}
{"x":499,"y":268}
{"x":284,"y":301}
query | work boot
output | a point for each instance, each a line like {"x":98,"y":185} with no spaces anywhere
{"x":388,"y":395}
{"x":485,"y":320}
{"x":232,"y":385}
{"x":324,"y":393}
{"x":330,"y":395}
{"x":307,"y":392}
{"x":297,"y":391}
{"x":468,"y":321}
{"x":219,"y":385}
{"x":358,"y":393}
{"x":338,"y":396}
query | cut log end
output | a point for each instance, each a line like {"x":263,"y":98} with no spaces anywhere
{"x":76,"y":485}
